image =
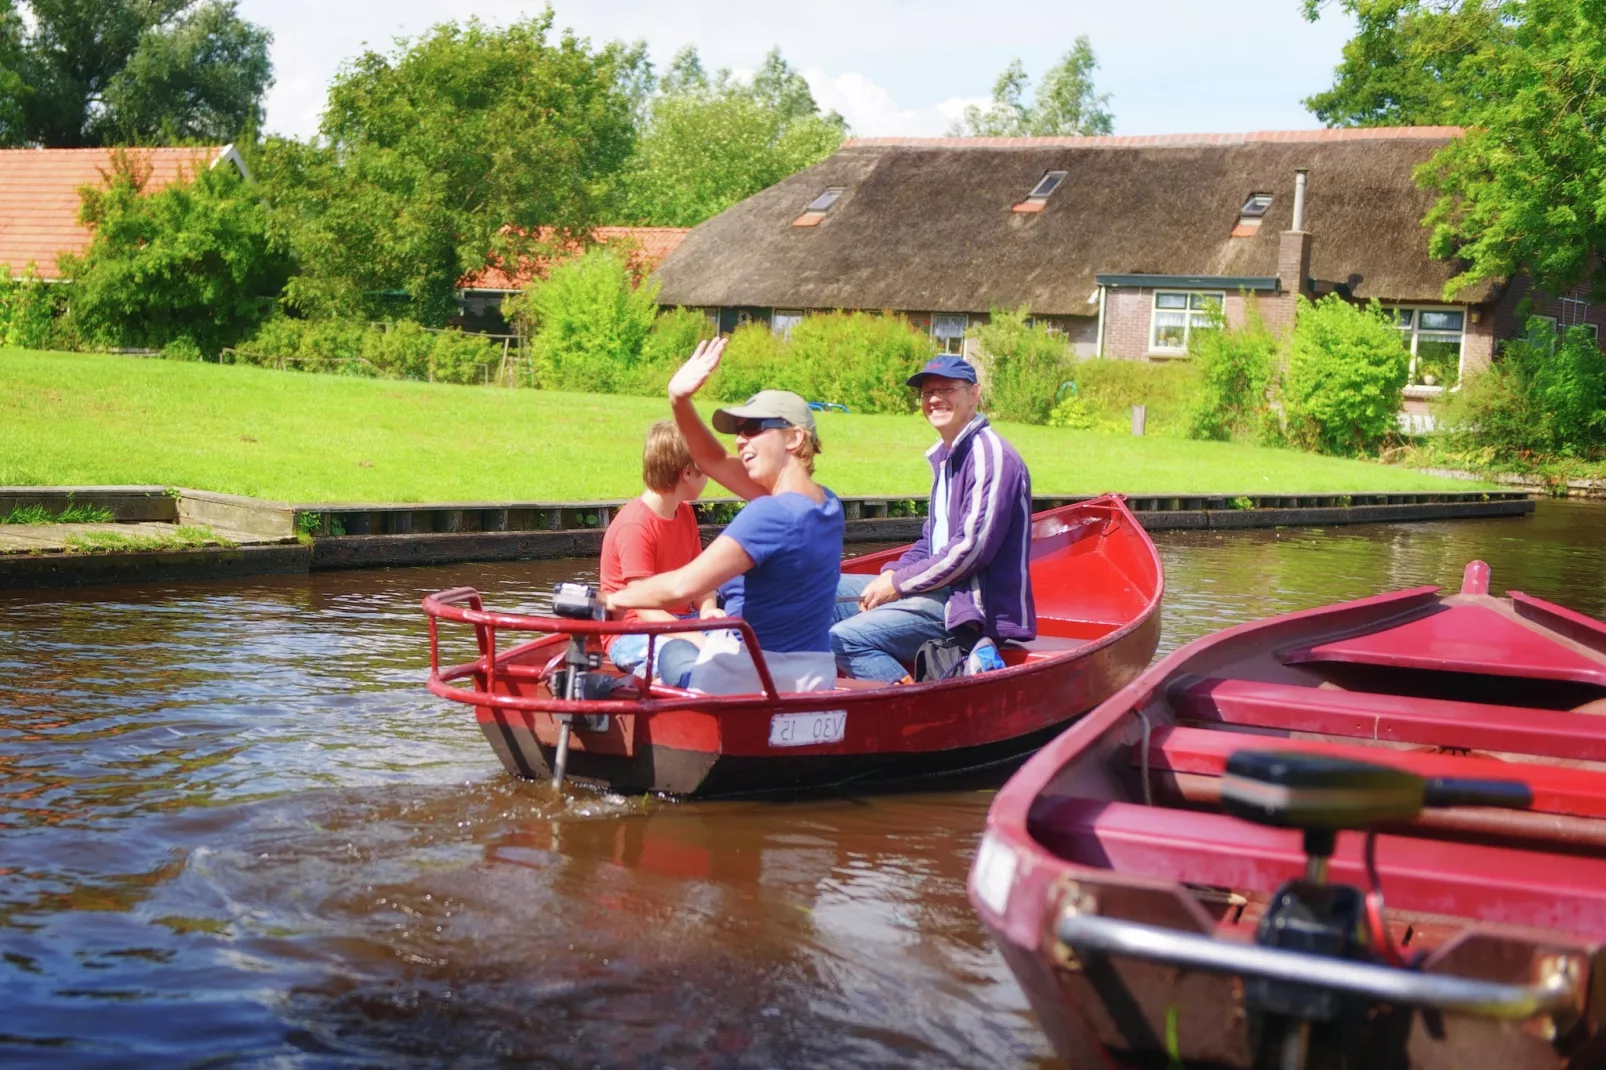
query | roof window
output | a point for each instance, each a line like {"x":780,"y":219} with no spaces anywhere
{"x":819,"y":206}
{"x":1251,"y":215}
{"x":1038,"y":197}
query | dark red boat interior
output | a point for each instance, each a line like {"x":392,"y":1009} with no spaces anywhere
{"x":1464,"y":686}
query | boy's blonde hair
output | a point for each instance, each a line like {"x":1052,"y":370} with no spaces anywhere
{"x":664,"y":457}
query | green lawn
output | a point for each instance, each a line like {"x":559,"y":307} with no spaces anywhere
{"x":81,"y":419}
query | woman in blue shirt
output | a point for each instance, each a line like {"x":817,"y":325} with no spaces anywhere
{"x":786,"y":543}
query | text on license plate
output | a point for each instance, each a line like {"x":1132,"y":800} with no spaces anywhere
{"x":808,"y":729}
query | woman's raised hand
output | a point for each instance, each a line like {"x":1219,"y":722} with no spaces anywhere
{"x":698,"y":367}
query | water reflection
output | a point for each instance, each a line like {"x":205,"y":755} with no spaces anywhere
{"x":234,"y":830}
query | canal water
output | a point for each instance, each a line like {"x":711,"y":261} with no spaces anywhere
{"x":236,"y":831}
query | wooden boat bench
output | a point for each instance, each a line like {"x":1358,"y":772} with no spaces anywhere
{"x":1393,"y":718}
{"x":1503,"y":885}
{"x":1557,"y":789}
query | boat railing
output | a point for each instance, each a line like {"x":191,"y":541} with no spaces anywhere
{"x":463,"y":605}
{"x":1087,"y":934}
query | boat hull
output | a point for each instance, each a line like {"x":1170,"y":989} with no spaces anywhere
{"x":1119,"y":818}
{"x":1098,"y":587}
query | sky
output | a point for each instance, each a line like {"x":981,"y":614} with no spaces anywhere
{"x":888,"y":66}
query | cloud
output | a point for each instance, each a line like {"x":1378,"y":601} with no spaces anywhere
{"x":872,"y":112}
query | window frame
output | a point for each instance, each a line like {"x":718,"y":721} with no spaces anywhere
{"x":793,"y":315}
{"x":944,"y":340}
{"x":1039,"y":194}
{"x":1252,"y":212}
{"x":1188,"y":313}
{"x":1415,"y":331}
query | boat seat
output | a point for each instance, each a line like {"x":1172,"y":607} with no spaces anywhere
{"x":1500,"y":885}
{"x":1044,"y":646}
{"x":1557,"y":789}
{"x":1394,"y":718}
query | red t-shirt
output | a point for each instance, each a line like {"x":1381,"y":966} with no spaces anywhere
{"x":640,"y":543}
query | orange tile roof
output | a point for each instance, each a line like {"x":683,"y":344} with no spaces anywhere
{"x":39,"y":196}
{"x":648,"y":246}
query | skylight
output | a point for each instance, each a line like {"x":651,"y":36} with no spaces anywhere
{"x":1048,"y":184}
{"x":1255,"y":207}
{"x":825,"y":200}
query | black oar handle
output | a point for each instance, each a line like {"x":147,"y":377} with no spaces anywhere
{"x":1457,"y":791}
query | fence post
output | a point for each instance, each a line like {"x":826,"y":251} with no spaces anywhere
{"x":1140,"y":414}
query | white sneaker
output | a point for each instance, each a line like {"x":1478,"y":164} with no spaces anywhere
{"x":983,"y":657}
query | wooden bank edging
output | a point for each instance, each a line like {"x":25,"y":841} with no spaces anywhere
{"x":463,"y":537}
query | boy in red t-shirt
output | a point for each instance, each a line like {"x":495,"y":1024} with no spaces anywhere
{"x":655,"y":533}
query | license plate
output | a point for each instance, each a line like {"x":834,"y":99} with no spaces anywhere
{"x":808,"y":729}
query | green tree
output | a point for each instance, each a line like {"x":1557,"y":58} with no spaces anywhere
{"x":1411,"y":62}
{"x":193,"y":260}
{"x":1065,"y":103}
{"x":1522,"y":190}
{"x":456,"y":146}
{"x":588,"y":322}
{"x":113,"y":72}
{"x":708,"y":142}
{"x":1346,"y":376}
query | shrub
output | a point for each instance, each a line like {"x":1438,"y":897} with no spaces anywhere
{"x":1235,"y":364}
{"x":1025,"y":366}
{"x":195,"y":259}
{"x":1346,"y":376}
{"x":1075,"y":413}
{"x":1533,"y":399}
{"x":29,"y":310}
{"x":182,"y":348}
{"x":674,"y":335}
{"x":399,"y":351}
{"x":858,"y":359}
{"x":1109,"y":388}
{"x":755,"y":359}
{"x":587,"y":321}
{"x":456,"y":357}
{"x":402,"y":350}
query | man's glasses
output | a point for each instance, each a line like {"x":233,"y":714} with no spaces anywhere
{"x":754,"y":427}
{"x":935,"y":392}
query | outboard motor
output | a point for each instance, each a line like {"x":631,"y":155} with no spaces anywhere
{"x":580,"y":679}
{"x":1320,"y":796}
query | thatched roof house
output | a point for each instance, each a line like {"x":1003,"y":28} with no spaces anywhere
{"x":1120,"y":241}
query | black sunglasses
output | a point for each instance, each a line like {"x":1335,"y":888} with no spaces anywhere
{"x":753,"y":426}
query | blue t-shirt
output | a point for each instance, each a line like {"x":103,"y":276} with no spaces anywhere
{"x":796,"y":546}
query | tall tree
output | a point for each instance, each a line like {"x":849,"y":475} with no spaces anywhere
{"x":1525,"y":187}
{"x":1065,"y":103}
{"x":457,"y":146}
{"x":1411,"y":62}
{"x":710,"y":141}
{"x":111,"y":72}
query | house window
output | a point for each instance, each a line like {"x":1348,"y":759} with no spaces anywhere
{"x":1254,"y":209}
{"x":1541,"y":333}
{"x":949,"y":331}
{"x":1177,"y":314}
{"x":825,"y":200}
{"x":784,"y":320}
{"x":1434,"y":337}
{"x":1049,"y":183}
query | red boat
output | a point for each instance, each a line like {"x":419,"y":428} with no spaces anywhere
{"x":1097,"y":583}
{"x":1371,"y":834}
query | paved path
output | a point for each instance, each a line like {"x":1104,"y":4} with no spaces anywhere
{"x":52,"y":538}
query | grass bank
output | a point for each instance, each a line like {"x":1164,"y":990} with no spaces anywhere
{"x":81,"y":419}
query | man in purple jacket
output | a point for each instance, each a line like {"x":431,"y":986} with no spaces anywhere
{"x":969,"y":573}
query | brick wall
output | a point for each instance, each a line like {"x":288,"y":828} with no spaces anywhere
{"x":1128,"y":319}
{"x":1570,"y":309}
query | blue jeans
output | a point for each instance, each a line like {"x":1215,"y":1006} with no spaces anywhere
{"x":878,"y":644}
{"x":628,"y":652}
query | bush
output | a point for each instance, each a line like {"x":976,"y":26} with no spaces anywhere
{"x":402,"y":350}
{"x":182,"y":348}
{"x":675,"y":334}
{"x":1075,"y":413}
{"x":858,"y":359}
{"x":755,"y":359}
{"x":1534,"y":399}
{"x":1236,"y":365}
{"x":193,"y":260}
{"x":587,"y":321}
{"x":1346,"y":377}
{"x":29,"y":310}
{"x":1107,"y":389}
{"x":1025,"y":366}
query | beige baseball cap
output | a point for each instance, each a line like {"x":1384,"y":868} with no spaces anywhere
{"x":770,"y":405}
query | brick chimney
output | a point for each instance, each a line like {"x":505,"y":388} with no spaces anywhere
{"x":1293,"y":246}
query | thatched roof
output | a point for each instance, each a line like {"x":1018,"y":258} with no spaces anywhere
{"x":927,"y":223}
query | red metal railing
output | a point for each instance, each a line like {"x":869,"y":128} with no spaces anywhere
{"x":488,"y":668}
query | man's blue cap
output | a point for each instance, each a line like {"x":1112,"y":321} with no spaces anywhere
{"x":947,"y":366}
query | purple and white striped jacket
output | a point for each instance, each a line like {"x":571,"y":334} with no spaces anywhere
{"x":986,"y":559}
